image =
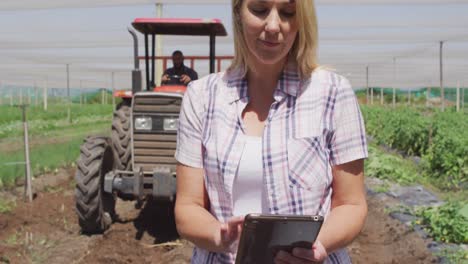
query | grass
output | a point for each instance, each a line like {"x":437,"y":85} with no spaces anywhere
{"x":54,"y":141}
{"x":12,"y":240}
{"x":390,"y":166}
{"x":6,"y":206}
{"x":44,"y":159}
{"x":42,"y":122}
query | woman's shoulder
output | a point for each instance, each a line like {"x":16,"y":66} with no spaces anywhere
{"x":325,"y":81}
{"x":202,"y":86}
{"x":207,"y":80}
{"x":329,"y":77}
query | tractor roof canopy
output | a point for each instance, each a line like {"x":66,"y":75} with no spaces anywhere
{"x":178,"y":26}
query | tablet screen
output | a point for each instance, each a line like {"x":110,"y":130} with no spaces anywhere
{"x":263,"y":236}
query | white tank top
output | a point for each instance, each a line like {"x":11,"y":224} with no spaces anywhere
{"x":249,"y":192}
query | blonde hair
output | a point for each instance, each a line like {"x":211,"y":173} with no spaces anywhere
{"x":304,"y":48}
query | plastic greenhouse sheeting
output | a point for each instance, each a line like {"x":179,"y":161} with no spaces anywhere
{"x":398,"y":41}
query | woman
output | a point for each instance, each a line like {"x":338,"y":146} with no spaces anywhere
{"x":273,"y":134}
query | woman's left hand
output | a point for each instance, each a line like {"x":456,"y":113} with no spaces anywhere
{"x":302,"y":255}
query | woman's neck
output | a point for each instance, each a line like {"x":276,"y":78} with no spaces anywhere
{"x":263,"y":78}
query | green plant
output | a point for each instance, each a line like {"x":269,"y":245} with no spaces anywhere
{"x":12,"y":240}
{"x":6,"y":206}
{"x":382,"y":188}
{"x":447,"y":156}
{"x":454,"y":255}
{"x":440,"y":138}
{"x":389,"y":166}
{"x":445,"y":223}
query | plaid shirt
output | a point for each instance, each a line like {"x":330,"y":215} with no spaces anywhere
{"x":312,"y":125}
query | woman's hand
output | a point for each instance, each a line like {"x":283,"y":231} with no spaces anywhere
{"x":303,"y":256}
{"x":227,"y":237}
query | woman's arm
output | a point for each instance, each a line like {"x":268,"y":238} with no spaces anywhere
{"x":346,"y":218}
{"x":348,"y":206}
{"x":193,"y":220}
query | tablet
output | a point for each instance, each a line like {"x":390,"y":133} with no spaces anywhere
{"x":264,"y":235}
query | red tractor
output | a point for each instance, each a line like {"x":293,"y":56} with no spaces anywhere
{"x":137,"y":161}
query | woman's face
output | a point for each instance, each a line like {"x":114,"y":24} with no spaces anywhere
{"x":269,"y":28}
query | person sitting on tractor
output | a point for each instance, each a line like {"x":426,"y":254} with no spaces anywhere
{"x":179,"y":73}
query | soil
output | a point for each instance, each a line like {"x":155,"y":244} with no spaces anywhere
{"x":46,"y":231}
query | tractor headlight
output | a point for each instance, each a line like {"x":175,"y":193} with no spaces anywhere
{"x":143,"y":123}
{"x":170,"y":124}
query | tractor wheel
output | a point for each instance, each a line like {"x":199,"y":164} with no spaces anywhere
{"x":121,"y":138}
{"x":95,"y":208}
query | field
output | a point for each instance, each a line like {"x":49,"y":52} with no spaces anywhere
{"x":54,"y":140}
{"x":407,"y":147}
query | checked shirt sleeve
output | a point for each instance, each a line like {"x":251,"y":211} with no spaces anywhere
{"x":189,"y":134}
{"x":348,"y":141}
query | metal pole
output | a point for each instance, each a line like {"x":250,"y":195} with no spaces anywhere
{"x":159,"y":47}
{"x":442,"y":95}
{"x":409,"y":96}
{"x":45,"y":93}
{"x":113,"y":90}
{"x":20,"y":96}
{"x":371,"y":89}
{"x":1,"y":93}
{"x":68,"y":94}
{"x":394,"y":83}
{"x":81,"y":92}
{"x":367,"y":85}
{"x":458,"y":96}
{"x":381,"y":96}
{"x":153,"y":52}
{"x":36,"y":94}
{"x":147,"y":63}
{"x":28,"y":95}
{"x":27,"y":187}
{"x":463,"y":99}
{"x":212,"y":52}
{"x":11,"y":96}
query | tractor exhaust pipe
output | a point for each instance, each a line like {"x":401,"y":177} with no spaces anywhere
{"x":136,"y":73}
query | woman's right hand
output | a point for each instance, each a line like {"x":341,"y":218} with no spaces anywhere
{"x":228,"y":235}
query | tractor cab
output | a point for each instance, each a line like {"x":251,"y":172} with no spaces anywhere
{"x":150,"y":27}
{"x":137,"y":161}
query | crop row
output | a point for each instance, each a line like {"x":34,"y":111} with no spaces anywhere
{"x":440,"y":139}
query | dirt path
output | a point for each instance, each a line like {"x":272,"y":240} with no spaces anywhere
{"x":46,"y":231}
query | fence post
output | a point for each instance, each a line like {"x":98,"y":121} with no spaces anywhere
{"x":28,"y":95}
{"x":27,"y":187}
{"x":463,"y":100}
{"x":20,"y":96}
{"x":113,"y":89}
{"x":409,"y":97}
{"x":81,"y":92}
{"x":36,"y":95}
{"x":11,"y":96}
{"x":44,"y":96}
{"x":381,"y":96}
{"x":69,"y":101}
{"x":458,"y":96}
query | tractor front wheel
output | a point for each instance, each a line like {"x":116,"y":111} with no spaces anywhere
{"x":95,"y":208}
{"x":121,"y":137}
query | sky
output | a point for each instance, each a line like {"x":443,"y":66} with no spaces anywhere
{"x":397,"y":43}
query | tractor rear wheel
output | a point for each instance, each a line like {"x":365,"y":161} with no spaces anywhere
{"x":121,"y":137}
{"x":95,"y":208}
